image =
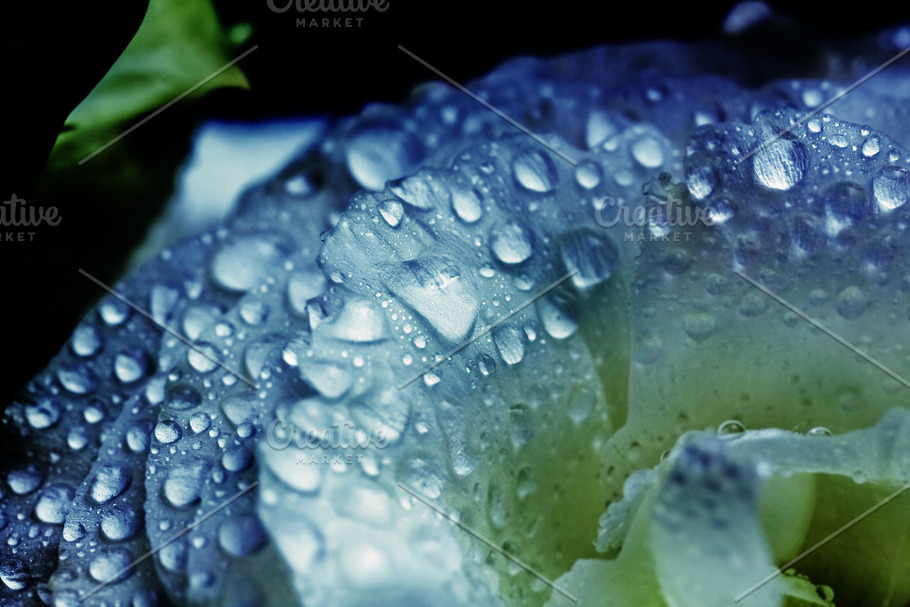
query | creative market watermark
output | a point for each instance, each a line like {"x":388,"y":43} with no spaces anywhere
{"x":307,"y":9}
{"x":345,"y":436}
{"x":659,"y":219}
{"x":15,"y":213}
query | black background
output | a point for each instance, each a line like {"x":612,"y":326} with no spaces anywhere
{"x":52,"y":55}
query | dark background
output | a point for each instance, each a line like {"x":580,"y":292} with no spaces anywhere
{"x":52,"y":55}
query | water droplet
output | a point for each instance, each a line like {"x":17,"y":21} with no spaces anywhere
{"x":184,"y":484}
{"x":43,"y":414}
{"x":731,"y":427}
{"x":556,"y":322}
{"x":819,"y":431}
{"x":592,"y":257}
{"x":588,"y":174}
{"x":359,"y":321}
{"x":241,"y":535}
{"x":421,"y":191}
{"x":598,"y":128}
{"x":815,"y":125}
{"x":781,"y":164}
{"x":76,"y":379}
{"x":255,"y":311}
{"x":109,"y":563}
{"x":130,"y":366}
{"x":161,"y":303}
{"x":108,"y":483}
{"x":806,"y":234}
{"x":510,"y":344}
{"x":202,"y":357}
{"x":467,"y":204}
{"x":701,"y":181}
{"x":236,"y":459}
{"x":119,"y":524}
{"x":871,"y":147}
{"x":13,"y":574}
{"x":535,"y":171}
{"x":167,"y":431}
{"x":137,"y":439}
{"x":242,"y":263}
{"x":648,"y":151}
{"x":392,"y":211}
{"x":73,"y":531}
{"x":851,"y":303}
{"x":53,"y":503}
{"x":77,"y":438}
{"x":839,"y":140}
{"x":86,"y":341}
{"x":891,"y":187}
{"x":847,"y":201}
{"x":182,"y":397}
{"x":526,"y":484}
{"x":699,"y":325}
{"x":24,"y":481}
{"x":113,"y":311}
{"x":329,"y":378}
{"x":511,"y":242}
{"x":302,"y":287}
{"x":199,"y":422}
{"x":380,"y":154}
{"x":436,"y":288}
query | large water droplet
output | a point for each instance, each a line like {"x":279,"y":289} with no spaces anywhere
{"x":119,"y":524}
{"x":359,"y":321}
{"x":588,"y":174}
{"x":592,"y":257}
{"x":303,"y":286}
{"x":130,"y":366}
{"x":510,"y":344}
{"x":242,"y":263}
{"x":467,"y":204}
{"x":24,"y":481}
{"x":511,"y":242}
{"x":108,"y":564}
{"x":555,"y":320}
{"x":85,"y":341}
{"x":851,"y":302}
{"x":43,"y":414}
{"x":780,"y":165}
{"x":380,"y":154}
{"x":847,"y":201}
{"x":421,"y":191}
{"x":77,"y":379}
{"x":330,"y":379}
{"x":241,"y":535}
{"x":167,"y":431}
{"x":182,"y":397}
{"x":184,"y":484}
{"x":535,"y":171}
{"x":108,"y":483}
{"x":648,"y":151}
{"x":436,"y":288}
{"x":891,"y":187}
{"x":53,"y":503}
{"x":203,"y":357}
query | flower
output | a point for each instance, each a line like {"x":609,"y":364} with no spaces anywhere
{"x":523,"y":366}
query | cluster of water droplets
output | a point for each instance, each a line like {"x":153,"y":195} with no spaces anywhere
{"x":464,"y":318}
